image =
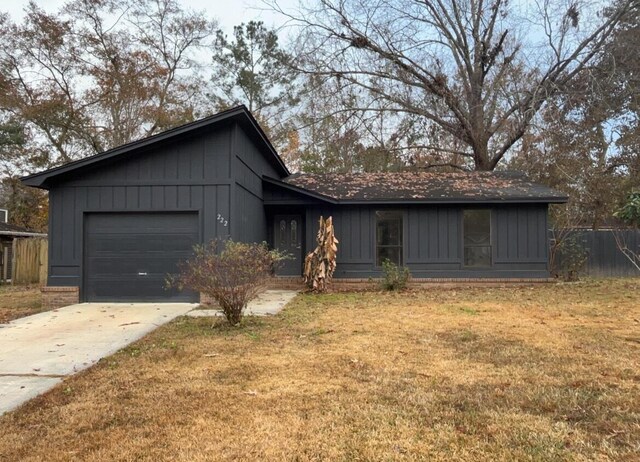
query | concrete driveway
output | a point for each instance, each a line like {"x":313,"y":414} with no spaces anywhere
{"x":38,"y":351}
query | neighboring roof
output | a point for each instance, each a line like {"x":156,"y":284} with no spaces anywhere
{"x":7,"y":229}
{"x":240,"y":114}
{"x":423,"y":187}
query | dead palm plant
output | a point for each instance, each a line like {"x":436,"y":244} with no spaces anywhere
{"x":320,"y":264}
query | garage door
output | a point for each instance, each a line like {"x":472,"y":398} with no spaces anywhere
{"x":128,"y":255}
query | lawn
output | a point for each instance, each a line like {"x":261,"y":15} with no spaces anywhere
{"x":532,"y":373}
{"x":19,"y":301}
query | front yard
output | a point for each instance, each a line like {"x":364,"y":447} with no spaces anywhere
{"x":19,"y":301}
{"x":543,"y":373}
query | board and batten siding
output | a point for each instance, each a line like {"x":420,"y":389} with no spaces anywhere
{"x":521,"y":234}
{"x":276,"y":195}
{"x":249,"y":166}
{"x":432,"y":240}
{"x":200,"y":173}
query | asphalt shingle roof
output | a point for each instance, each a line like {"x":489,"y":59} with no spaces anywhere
{"x":421,"y":186}
{"x":9,"y":228}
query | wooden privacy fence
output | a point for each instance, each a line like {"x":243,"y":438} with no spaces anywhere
{"x":604,"y":257}
{"x":30,"y":258}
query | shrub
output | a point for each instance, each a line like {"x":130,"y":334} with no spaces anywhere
{"x":629,"y":213}
{"x":574,"y":256}
{"x":232,"y":273}
{"x":395,"y":277}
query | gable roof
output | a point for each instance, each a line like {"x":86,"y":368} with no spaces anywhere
{"x":423,"y":187}
{"x":7,"y":229}
{"x":239,"y":114}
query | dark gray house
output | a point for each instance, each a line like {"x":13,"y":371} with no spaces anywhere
{"x":122,"y":219}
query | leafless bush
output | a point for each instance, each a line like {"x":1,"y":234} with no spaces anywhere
{"x":565,"y":219}
{"x":232,"y":273}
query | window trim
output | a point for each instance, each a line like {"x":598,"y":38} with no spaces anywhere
{"x":401,"y":214}
{"x":491,"y":242}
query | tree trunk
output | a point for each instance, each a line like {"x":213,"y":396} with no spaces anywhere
{"x":481,"y":158}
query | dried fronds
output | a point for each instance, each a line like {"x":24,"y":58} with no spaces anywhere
{"x":320,"y":264}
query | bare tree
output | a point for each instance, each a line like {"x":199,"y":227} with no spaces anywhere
{"x":98,"y":73}
{"x":631,"y":254}
{"x":564,"y":223}
{"x":585,"y":140}
{"x":478,"y":71}
{"x":569,"y":147}
{"x":335,"y":138}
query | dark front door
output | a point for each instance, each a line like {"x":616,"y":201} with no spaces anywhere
{"x":288,"y":238}
{"x":128,"y":255}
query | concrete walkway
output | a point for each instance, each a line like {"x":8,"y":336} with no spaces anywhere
{"x":37,"y":352}
{"x":267,"y":303}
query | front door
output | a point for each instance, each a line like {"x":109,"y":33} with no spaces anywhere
{"x":287,"y":236}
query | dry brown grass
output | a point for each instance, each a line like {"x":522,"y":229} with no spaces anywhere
{"x":19,"y":301}
{"x":544,"y":373}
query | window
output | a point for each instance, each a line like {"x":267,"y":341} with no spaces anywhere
{"x":477,"y":238}
{"x":283,"y":231}
{"x":389,"y":237}
{"x":294,"y":233}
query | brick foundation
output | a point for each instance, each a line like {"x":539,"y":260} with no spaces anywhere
{"x":57,"y":297}
{"x":289,"y":283}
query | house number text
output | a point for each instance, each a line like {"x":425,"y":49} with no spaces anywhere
{"x":222,"y":220}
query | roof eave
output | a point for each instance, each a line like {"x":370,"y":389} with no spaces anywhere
{"x":21,"y":234}
{"x":454,"y":200}
{"x":298,"y":189}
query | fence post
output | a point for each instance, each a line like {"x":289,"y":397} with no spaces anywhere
{"x":14,"y":246}
{"x":44,"y":261}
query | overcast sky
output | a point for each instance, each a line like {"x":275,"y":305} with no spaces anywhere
{"x":228,"y":12}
